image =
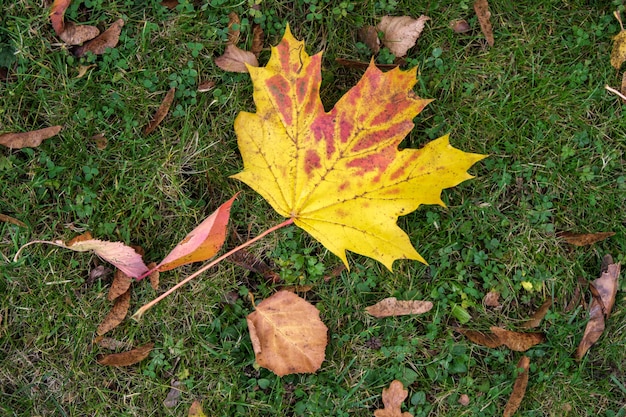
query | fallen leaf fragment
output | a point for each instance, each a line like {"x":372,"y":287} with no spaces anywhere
{"x":492,"y":299}
{"x":30,"y":139}
{"x":517,"y":341}
{"x":257,"y":40}
{"x":339,"y":175}
{"x":127,"y":358}
{"x":78,"y":34}
{"x":287,"y":334}
{"x":235,"y":59}
{"x":57,"y":12}
{"x":107,"y":39}
{"x":170,"y":4}
{"x":519,"y":388}
{"x":393,"y":307}
{"x":120,"y":285}
{"x":233,"y":28}
{"x":161,"y":112}
{"x":369,"y":36}
{"x":481,"y":7}
{"x":12,"y":220}
{"x":173,"y":396}
{"x":201,"y":243}
{"x":535,"y":319}
{"x":154,"y":276}
{"x":489,"y":340}
{"x":618,"y":54}
{"x":401,"y":32}
{"x":110,"y":343}
{"x":100,"y":140}
{"x":392,"y":401}
{"x":460,"y":26}
{"x":196,"y":410}
{"x":206,"y":86}
{"x":600,"y":308}
{"x":584,"y":239}
{"x":464,"y":400}
{"x":116,"y":315}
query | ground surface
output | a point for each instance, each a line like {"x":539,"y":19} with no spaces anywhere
{"x":535,"y":102}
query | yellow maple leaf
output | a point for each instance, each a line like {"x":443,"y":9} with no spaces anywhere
{"x":339,"y":174}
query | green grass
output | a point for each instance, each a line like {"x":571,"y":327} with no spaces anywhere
{"x":535,"y":102}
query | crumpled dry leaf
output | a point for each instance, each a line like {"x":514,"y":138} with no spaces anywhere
{"x":393,"y":307}
{"x":517,"y":341}
{"x":369,"y":36}
{"x":401,"y":32}
{"x":127,"y":358}
{"x":107,"y":39}
{"x":601,"y":307}
{"x":161,"y":112}
{"x":481,"y":7}
{"x":116,"y":315}
{"x":120,"y":285}
{"x":392,"y":400}
{"x":492,"y":299}
{"x":584,"y":239}
{"x":519,"y":388}
{"x":287,"y":334}
{"x":30,"y":139}
{"x":235,"y":59}
{"x":173,"y":396}
{"x":535,"y":319}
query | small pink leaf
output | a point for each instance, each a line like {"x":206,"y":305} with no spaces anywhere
{"x":201,"y":243}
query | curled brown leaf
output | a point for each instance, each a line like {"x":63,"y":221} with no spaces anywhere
{"x":127,"y":358}
{"x":519,"y":388}
{"x":161,"y":112}
{"x":30,"y":139}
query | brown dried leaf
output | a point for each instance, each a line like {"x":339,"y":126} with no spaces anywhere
{"x":206,"y":86}
{"x":235,"y":59}
{"x":107,"y":39}
{"x":154,"y":276}
{"x":584,"y":239}
{"x":369,"y":36}
{"x":519,"y":388}
{"x":12,"y":220}
{"x":128,"y":358}
{"x":161,"y":112}
{"x":460,"y":26}
{"x":607,"y":286}
{"x":393,"y":307}
{"x":484,"y":339}
{"x":116,"y":315}
{"x":170,"y":4}
{"x":535,"y":319}
{"x":618,"y":54}
{"x":517,"y":341}
{"x":233,"y":34}
{"x":173,"y":396}
{"x":121,"y":284}
{"x":30,"y":139}
{"x":392,"y":400}
{"x":401,"y":32}
{"x":78,"y":34}
{"x":196,"y":410}
{"x":287,"y":334}
{"x":481,"y":7}
{"x":110,"y":343}
{"x":257,"y":40}
{"x":492,"y":299}
{"x":100,"y":140}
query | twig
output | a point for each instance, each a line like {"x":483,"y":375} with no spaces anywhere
{"x":614,"y":91}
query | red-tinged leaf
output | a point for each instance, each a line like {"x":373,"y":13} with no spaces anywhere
{"x":161,"y":112}
{"x":57,"y":12}
{"x":287,"y":334}
{"x":519,"y":388}
{"x":107,"y":39}
{"x":392,"y":400}
{"x":116,"y":315}
{"x":30,"y":139}
{"x":196,"y":410}
{"x":235,"y":59}
{"x":203,"y":242}
{"x":128,"y":358}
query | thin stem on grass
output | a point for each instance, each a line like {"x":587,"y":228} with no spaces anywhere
{"x":139,"y":313}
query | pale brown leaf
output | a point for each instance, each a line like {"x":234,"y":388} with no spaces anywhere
{"x":12,"y":220}
{"x":393,"y":307}
{"x":584,"y":239}
{"x":107,"y":39}
{"x":481,"y":7}
{"x":100,"y":140}
{"x":492,"y":299}
{"x":161,"y":112}
{"x":121,"y":284}
{"x":233,"y":34}
{"x":517,"y":341}
{"x":401,"y":32}
{"x":392,"y":401}
{"x":481,"y":338}
{"x":287,"y":334}
{"x":116,"y":315}
{"x":464,"y":400}
{"x":206,"y":86}
{"x":519,"y":388}
{"x":235,"y":59}
{"x":369,"y":36}
{"x":30,"y":139}
{"x":78,"y":34}
{"x":535,"y":319}
{"x":127,"y":358}
{"x":460,"y":26}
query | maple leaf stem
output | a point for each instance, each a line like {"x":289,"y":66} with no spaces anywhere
{"x":139,"y":313}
